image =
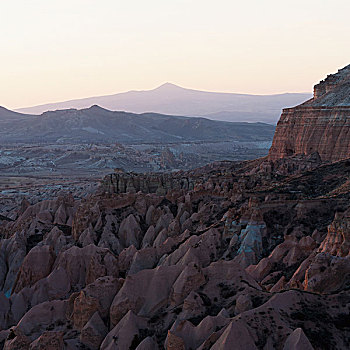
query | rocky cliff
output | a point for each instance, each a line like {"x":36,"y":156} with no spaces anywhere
{"x":321,"y":124}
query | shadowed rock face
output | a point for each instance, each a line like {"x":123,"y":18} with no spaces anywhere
{"x":321,"y":124}
{"x":240,"y":255}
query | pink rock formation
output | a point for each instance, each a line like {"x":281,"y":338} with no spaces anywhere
{"x":93,"y":332}
{"x":49,"y":340}
{"x":319,"y":125}
{"x":235,"y":336}
{"x":36,"y":265}
{"x":297,"y":341}
{"x":125,"y":333}
{"x":84,"y":307}
{"x":144,"y":293}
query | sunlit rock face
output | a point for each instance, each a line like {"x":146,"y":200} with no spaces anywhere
{"x":320,"y":125}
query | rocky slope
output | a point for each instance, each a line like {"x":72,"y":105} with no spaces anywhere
{"x":238,"y":256}
{"x":321,"y":124}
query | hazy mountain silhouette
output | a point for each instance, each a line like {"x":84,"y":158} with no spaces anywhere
{"x":172,"y":99}
{"x":96,"y":124}
{"x":8,"y":115}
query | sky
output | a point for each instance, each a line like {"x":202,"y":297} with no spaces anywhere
{"x":66,"y":49}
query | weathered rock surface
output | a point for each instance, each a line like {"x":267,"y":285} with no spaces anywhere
{"x":36,"y":265}
{"x":319,"y":125}
{"x":93,"y":332}
{"x":48,"y":341}
{"x":297,"y":341}
{"x":161,"y":184}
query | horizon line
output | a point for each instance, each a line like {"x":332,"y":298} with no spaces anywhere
{"x":152,"y":89}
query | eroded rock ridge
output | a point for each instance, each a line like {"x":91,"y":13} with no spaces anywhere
{"x":321,"y":124}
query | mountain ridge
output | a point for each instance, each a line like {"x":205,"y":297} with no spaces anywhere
{"x":172,"y":99}
{"x":98,"y":124}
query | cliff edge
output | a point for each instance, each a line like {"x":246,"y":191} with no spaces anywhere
{"x":321,"y":124}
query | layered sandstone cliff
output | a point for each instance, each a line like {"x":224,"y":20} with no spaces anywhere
{"x":321,"y":124}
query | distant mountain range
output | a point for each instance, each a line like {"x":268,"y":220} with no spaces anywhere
{"x":96,"y":124}
{"x":8,"y":115}
{"x":174,"y":100}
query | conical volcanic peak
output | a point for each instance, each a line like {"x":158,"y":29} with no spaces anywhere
{"x":169,"y":87}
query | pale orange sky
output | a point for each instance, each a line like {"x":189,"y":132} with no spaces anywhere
{"x":60,"y":50}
